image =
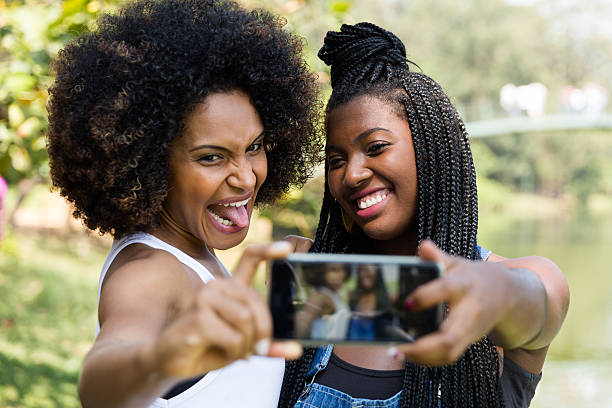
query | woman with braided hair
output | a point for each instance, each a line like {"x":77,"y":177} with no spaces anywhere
{"x":400,"y":180}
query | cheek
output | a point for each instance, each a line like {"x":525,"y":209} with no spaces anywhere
{"x":333,"y":181}
{"x":260,"y":168}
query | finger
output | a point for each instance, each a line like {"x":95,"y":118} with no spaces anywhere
{"x":439,"y":348}
{"x":431,"y":350}
{"x":223,"y":350}
{"x":289,"y":350}
{"x":300,"y":244}
{"x":259,"y":314}
{"x":222,"y":298}
{"x":246,"y":310}
{"x":446,"y":289}
{"x":220,"y":342}
{"x":239,"y":316}
{"x":468,"y":319}
{"x":429,"y":251}
{"x":255,"y":253}
{"x":462,"y":328}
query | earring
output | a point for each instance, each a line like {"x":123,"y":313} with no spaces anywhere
{"x":349,"y":223}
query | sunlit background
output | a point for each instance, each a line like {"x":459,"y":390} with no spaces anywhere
{"x":532,"y":79}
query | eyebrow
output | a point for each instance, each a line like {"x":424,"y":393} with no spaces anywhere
{"x":362,"y":136}
{"x":225,"y":149}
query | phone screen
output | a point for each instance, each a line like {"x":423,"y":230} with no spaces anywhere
{"x":325,"y":298}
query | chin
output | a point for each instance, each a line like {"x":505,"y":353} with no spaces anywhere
{"x":380,"y":233}
{"x":229,"y":242}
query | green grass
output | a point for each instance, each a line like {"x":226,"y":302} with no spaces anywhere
{"x":47,"y":317}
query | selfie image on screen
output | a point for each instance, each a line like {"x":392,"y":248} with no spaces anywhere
{"x":338,"y":302}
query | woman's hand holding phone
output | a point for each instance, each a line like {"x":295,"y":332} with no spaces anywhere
{"x":478,"y":298}
{"x":347,"y":298}
{"x":225,"y":321}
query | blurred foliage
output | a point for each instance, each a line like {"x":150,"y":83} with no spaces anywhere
{"x":31,"y":34}
{"x":552,"y":165}
{"x":473,"y":48}
{"x":470,"y":47}
{"x":298,"y":212}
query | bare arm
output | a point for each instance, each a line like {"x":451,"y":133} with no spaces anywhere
{"x":135,"y":302}
{"x":519,"y":308}
{"x":161,"y":324}
{"x":116,"y":373}
{"x":138,"y":302}
{"x":536,"y":316}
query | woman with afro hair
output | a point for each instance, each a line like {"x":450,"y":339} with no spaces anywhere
{"x":168,"y":123}
{"x":400,"y":181}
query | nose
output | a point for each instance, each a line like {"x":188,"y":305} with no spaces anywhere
{"x":356,"y":172}
{"x":242,"y":175}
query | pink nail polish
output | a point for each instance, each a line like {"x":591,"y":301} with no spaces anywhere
{"x":409,"y":304}
{"x":394,"y":352}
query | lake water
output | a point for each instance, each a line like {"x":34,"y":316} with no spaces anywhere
{"x":578,"y":370}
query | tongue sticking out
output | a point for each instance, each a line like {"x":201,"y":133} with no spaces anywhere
{"x":237,"y":215}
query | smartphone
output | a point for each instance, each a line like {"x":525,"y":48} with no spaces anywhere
{"x":341,"y":298}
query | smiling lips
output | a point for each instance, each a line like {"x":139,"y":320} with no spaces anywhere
{"x":230,"y":216}
{"x":367,"y":205}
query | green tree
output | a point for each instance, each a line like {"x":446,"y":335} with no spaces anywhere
{"x":31,"y":34}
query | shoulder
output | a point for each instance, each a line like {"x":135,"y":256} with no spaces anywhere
{"x":145,"y":266}
{"x":142,"y":287}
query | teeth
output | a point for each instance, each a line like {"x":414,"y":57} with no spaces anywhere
{"x":237,"y":203}
{"x":364,"y":203}
{"x":221,"y":220}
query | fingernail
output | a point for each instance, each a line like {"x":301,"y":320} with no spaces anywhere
{"x":280,"y":246}
{"x":262,"y":347}
{"x":393,"y":352}
{"x":192,"y":340}
{"x":409,"y":304}
{"x":293,"y":350}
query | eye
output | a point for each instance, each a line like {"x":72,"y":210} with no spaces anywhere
{"x":376,"y":148}
{"x":255,"y":147}
{"x":209,"y":158}
{"x":334,"y":162}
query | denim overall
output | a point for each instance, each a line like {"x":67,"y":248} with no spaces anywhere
{"x":316,"y":395}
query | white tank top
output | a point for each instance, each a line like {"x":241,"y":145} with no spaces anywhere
{"x":253,"y":383}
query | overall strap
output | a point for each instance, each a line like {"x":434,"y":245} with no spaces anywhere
{"x":319,"y":362}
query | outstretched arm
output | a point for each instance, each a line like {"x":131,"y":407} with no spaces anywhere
{"x":160,"y":324}
{"x":519,"y":303}
{"x":531,"y":353}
